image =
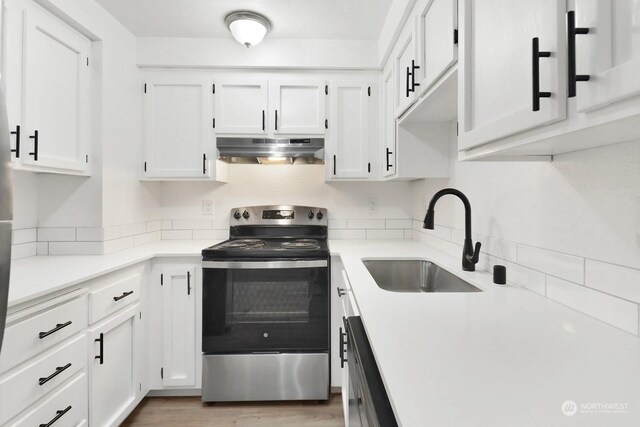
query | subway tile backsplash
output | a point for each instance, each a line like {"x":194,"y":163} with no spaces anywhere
{"x":608,"y":292}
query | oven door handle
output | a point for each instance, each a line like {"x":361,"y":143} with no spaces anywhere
{"x":264,"y":264}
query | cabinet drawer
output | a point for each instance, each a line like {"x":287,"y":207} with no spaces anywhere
{"x":113,"y":297}
{"x":22,"y":387}
{"x":27,"y":338}
{"x":349,"y":307}
{"x":69,"y":403}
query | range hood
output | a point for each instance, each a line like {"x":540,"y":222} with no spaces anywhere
{"x":307,"y":151}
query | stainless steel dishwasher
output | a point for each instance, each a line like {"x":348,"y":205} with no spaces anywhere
{"x":369,"y":404}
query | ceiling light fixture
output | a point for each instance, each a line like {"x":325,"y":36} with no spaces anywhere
{"x":248,"y":28}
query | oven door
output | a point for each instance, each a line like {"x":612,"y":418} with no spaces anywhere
{"x":265,"y":306}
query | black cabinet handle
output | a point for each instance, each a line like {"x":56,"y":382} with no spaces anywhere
{"x":57,"y":372}
{"x":263,"y":119}
{"x":17,"y":134}
{"x":414,"y":67}
{"x":59,"y":415}
{"x":34,"y":153}
{"x":124,"y":295}
{"x":536,"y":54}
{"x":188,"y":283}
{"x":56,"y":329}
{"x":341,"y":291}
{"x":100,"y":357}
{"x":276,"y":119}
{"x":389,"y":165}
{"x":571,"y":53}
{"x":407,"y":83}
{"x":204,"y":164}
{"x":343,"y":343}
{"x":334,"y":164}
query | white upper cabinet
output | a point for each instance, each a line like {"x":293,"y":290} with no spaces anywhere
{"x":179,"y":325}
{"x":50,"y":100}
{"x":178,"y":127}
{"x":437,"y":39}
{"x":514,"y":68}
{"x":350,"y":129}
{"x":241,"y":107}
{"x":388,"y":123}
{"x":609,"y":53}
{"x":406,"y":68}
{"x":298,"y":106}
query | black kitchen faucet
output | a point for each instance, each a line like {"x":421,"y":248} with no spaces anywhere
{"x":469,"y":256}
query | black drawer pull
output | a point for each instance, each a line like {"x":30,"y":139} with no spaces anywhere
{"x":124,"y":294}
{"x":407,"y":83}
{"x":204,"y":164}
{"x":571,"y":53}
{"x":188,"y":283}
{"x":414,"y":67}
{"x":17,"y":134}
{"x":341,"y":292}
{"x":535,"y":66}
{"x":59,"y":415}
{"x":56,"y":329}
{"x":100,"y":357}
{"x":343,"y":343}
{"x":58,"y":371}
{"x":389,"y":165}
{"x":34,"y":153}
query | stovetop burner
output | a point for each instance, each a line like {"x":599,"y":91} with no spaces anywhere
{"x":301,"y":244}
{"x":244,"y":244}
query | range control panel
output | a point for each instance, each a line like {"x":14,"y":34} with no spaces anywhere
{"x":280,"y":215}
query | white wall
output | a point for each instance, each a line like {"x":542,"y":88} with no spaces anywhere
{"x":278,"y":184}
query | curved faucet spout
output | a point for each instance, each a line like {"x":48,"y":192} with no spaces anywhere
{"x":470,"y":257}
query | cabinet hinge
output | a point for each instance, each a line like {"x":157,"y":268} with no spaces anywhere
{"x":369,"y":90}
{"x":145,"y":88}
{"x":214,"y":122}
{"x":326,"y":123}
{"x":87,"y":61}
{"x":455,"y":36}
{"x":162,"y":373}
{"x":161,"y":279}
{"x":326,"y":89}
{"x":145,"y":166}
{"x":214,"y":89}
{"x":369,"y":167}
{"x":86,"y":158}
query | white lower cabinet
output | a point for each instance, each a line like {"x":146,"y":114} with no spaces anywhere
{"x":113,"y":370}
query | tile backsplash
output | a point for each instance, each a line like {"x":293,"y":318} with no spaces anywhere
{"x":608,"y":292}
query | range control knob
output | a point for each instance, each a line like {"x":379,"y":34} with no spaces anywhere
{"x":319,"y":215}
{"x":236,"y":214}
{"x":310,"y":215}
{"x":245,"y":215}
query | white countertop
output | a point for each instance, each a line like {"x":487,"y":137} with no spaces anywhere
{"x":37,"y":276}
{"x":502,"y":357}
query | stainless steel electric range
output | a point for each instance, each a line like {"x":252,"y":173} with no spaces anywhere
{"x":266,"y":307}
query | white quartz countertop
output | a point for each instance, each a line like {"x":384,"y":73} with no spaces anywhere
{"x":502,"y":357}
{"x":37,"y":276}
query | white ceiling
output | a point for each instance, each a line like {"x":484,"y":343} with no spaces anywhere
{"x":308,"y":19}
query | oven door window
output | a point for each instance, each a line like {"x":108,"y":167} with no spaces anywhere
{"x":271,"y":309}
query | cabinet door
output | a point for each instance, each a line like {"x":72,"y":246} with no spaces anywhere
{"x":178,"y":126}
{"x":349,"y":130}
{"x":388,"y":123}
{"x":13,"y":20}
{"x":609,"y":53}
{"x":405,"y":56}
{"x":298,"y":106}
{"x":496,"y":91}
{"x":56,"y":93}
{"x":437,"y":46}
{"x":179,"y":326}
{"x":112,"y":368}
{"x":241,"y":107}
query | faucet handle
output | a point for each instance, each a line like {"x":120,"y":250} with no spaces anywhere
{"x":476,"y":254}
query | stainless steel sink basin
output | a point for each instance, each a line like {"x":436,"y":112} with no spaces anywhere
{"x":415,"y":275}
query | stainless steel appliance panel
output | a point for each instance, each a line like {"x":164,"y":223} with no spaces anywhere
{"x":6,"y":210}
{"x":5,"y":266}
{"x":260,"y":377}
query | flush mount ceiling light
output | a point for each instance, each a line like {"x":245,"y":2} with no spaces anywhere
{"x":248,"y":28}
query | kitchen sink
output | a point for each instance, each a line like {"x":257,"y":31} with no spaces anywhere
{"x":415,"y":275}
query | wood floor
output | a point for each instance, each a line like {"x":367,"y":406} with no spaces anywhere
{"x":190,"y":411}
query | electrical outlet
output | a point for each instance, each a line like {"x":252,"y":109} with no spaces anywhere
{"x":207,"y":207}
{"x":373,"y":205}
